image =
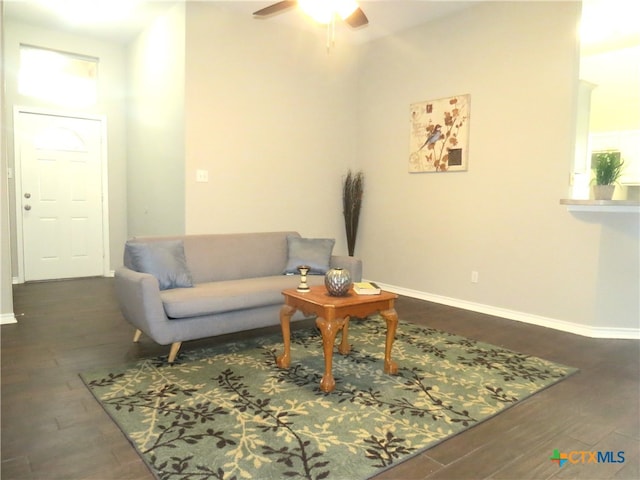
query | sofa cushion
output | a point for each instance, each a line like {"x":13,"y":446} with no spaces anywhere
{"x":313,"y":252}
{"x":217,"y":297}
{"x":232,"y":256}
{"x":164,"y":260}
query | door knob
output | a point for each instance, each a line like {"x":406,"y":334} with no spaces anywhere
{"x":27,"y":207}
{"x":27,"y":195}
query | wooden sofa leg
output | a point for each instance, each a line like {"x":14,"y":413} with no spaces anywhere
{"x":137,"y":335}
{"x":173,"y":353}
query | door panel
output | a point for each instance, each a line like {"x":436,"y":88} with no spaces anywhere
{"x":61,"y":185}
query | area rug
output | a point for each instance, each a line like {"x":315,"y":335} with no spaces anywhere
{"x":228,"y":412}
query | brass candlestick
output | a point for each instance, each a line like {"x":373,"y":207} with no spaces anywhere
{"x":303,"y":287}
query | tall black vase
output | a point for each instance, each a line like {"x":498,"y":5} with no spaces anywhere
{"x":352,"y":190}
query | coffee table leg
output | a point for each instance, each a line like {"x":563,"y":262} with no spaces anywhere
{"x":286,"y":312}
{"x":344,"y":347}
{"x":391,"y":317}
{"x":329,"y":330}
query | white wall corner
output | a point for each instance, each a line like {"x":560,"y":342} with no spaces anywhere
{"x":562,"y":325}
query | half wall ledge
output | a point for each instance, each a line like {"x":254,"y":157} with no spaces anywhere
{"x":604,"y":206}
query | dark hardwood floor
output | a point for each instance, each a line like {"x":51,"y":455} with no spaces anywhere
{"x":52,"y":428}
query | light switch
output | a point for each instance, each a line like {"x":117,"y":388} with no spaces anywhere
{"x":202,"y":175}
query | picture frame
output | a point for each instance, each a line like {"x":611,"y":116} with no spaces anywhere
{"x":439,"y":138}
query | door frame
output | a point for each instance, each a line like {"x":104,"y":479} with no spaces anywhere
{"x":104,"y":173}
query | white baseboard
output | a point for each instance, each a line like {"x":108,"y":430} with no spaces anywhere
{"x":556,"y":324}
{"x":109,"y":274}
{"x":7,"y":318}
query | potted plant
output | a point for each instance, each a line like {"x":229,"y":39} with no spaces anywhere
{"x":607,"y":168}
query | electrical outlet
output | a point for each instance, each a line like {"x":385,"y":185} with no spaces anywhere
{"x":474,"y":276}
{"x":202,"y":175}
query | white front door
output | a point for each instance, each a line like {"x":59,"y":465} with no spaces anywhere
{"x":60,"y":195}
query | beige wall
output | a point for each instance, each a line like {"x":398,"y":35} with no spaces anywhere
{"x":155,"y":137}
{"x":111,"y":102}
{"x":425,"y":233}
{"x":272,"y":117}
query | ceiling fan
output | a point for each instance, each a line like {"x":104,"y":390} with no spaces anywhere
{"x":323,"y":11}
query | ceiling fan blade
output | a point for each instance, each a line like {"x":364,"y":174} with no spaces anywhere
{"x":357,"y":18}
{"x":275,"y":8}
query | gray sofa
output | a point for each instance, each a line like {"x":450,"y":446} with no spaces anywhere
{"x":215,"y":284}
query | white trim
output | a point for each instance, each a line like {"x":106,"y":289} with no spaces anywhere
{"x":556,"y":324}
{"x":106,"y":247}
{"x":7,"y":318}
{"x":18,"y":183}
{"x":109,"y":274}
{"x":603,"y":206}
{"x":604,"y":209}
{"x":17,"y":174}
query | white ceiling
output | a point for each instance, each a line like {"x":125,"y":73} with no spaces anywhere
{"x":385,"y":16}
{"x":36,"y":12}
{"x":615,"y":18}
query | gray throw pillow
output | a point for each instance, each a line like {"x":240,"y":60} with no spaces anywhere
{"x":164,"y":260}
{"x":314,"y":252}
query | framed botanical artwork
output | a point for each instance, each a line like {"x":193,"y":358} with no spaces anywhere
{"x":439,"y":139}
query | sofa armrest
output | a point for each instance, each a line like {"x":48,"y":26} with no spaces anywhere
{"x":138,"y":296}
{"x":353,"y":264}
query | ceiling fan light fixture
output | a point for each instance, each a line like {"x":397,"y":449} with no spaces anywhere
{"x":322,"y":11}
{"x":345,"y":8}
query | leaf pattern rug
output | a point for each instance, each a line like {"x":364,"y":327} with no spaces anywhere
{"x":228,"y":412}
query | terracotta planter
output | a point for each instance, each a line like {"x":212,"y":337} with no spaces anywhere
{"x":603,"y":192}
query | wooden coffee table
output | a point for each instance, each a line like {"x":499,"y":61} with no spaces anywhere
{"x":333,"y":315}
